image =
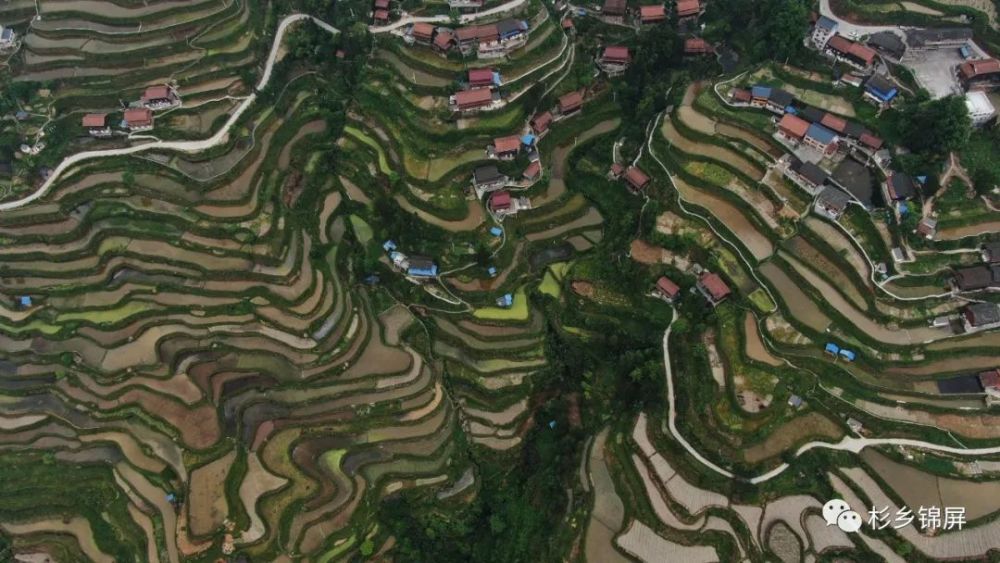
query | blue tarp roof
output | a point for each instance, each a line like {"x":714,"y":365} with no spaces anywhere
{"x":492,"y":271}
{"x":528,"y":140}
{"x":847,"y":355}
{"x":964,"y":50}
{"x":820,"y":133}
{"x":388,"y":245}
{"x":791,"y":110}
{"x":496,"y":231}
{"x":423,"y":272}
{"x":24,"y":300}
{"x":496,"y":78}
{"x":832,"y":348}
{"x":760,"y":91}
{"x":506,"y":301}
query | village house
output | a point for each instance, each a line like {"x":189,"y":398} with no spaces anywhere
{"x":96,"y":124}
{"x":823,"y":31}
{"x":900,"y":186}
{"x":976,"y":278}
{"x":983,"y":74}
{"x":614,"y":11}
{"x":8,"y":39}
{"x":636,"y":179}
{"x":139,"y":119}
{"x":505,"y":148}
{"x":487,"y":178}
{"x":854,"y":54}
{"x":980,"y":316}
{"x":820,"y":138}
{"x":990,"y":381}
{"x":832,"y":203}
{"x":832,"y":122}
{"x":852,"y":79}
{"x":500,"y":201}
{"x":567,"y":25}
{"x":615,"y":59}
{"x":807,"y":175}
{"x":472,"y":100}
{"x":687,"y":9}
{"x":421,"y":267}
{"x":652,"y":14}
{"x":980,"y":108}
{"x":570,"y":103}
{"x":792,"y":127}
{"x":482,"y":78}
{"x":927,"y":228}
{"x":666,"y":289}
{"x":443,"y":42}
{"x":934,"y":38}
{"x":740,"y":96}
{"x":990,"y":252}
{"x":159,"y":97}
{"x":540,"y":123}
{"x":713,"y":288}
{"x":422,"y":32}
{"x":533,"y":171}
{"x":779,"y":101}
{"x":888,"y":44}
{"x":696,"y":46}
{"x":880,"y":90}
{"x":616,"y":171}
{"x":496,"y":40}
{"x":380,"y":16}
{"x":759,"y":96}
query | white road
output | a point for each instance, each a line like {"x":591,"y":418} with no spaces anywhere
{"x":467,"y":18}
{"x":219,"y":138}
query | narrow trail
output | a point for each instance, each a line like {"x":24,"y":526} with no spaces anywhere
{"x":444,"y":18}
{"x":219,"y":138}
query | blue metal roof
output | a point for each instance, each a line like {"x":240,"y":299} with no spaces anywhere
{"x":496,"y":231}
{"x":761,"y":91}
{"x":821,"y":134}
{"x":506,"y":301}
{"x":25,"y":301}
{"x":826,"y":23}
{"x":388,"y":245}
{"x":496,"y":78}
{"x":492,"y":271}
{"x":832,"y":348}
{"x":423,"y":272}
{"x":847,"y":355}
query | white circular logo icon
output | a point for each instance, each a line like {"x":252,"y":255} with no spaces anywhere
{"x":849,"y":521}
{"x":832,"y":509}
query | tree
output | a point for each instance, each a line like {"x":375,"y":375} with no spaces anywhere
{"x":934,"y":128}
{"x":782,"y":25}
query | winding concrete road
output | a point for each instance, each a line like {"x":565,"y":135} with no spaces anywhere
{"x":444,"y":18}
{"x":848,"y":444}
{"x":847,"y":28}
{"x":219,"y":138}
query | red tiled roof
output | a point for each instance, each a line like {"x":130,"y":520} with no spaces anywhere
{"x":570,"y":102}
{"x":617,"y":169}
{"x":500,"y":200}
{"x":742,"y":95}
{"x":156,"y":93}
{"x":443,"y":40}
{"x":636,"y":177}
{"x":506,"y":144}
{"x":990,"y":379}
{"x":652,"y":13}
{"x":615,"y":53}
{"x":972,"y":69}
{"x":481,"y":76}
{"x":697,"y":45}
{"x":466,"y":33}
{"x":138,"y":116}
{"x":840,"y":44}
{"x":614,"y":7}
{"x":793,"y":125}
{"x":382,"y":15}
{"x":533,"y":170}
{"x":422,"y":29}
{"x":687,"y":8}
{"x":473,"y":98}
{"x":382,"y":4}
{"x":667,"y":287}
{"x":567,"y":24}
{"x":540,"y":123}
{"x":833,"y":122}
{"x":95,"y":119}
{"x":714,"y":285}
{"x":863,"y":52}
{"x":870,"y":140}
{"x":487,"y":32}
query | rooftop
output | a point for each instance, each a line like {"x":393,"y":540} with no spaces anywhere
{"x":820,"y":134}
{"x":511,"y":143}
{"x":615,"y":53}
{"x":973,"y":69}
{"x":688,"y":8}
{"x":714,"y":285}
{"x":667,"y":287}
{"x":793,"y":125}
{"x":473,"y":97}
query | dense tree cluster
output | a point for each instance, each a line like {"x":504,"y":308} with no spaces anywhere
{"x":934,"y":128}
{"x":759,"y":29}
